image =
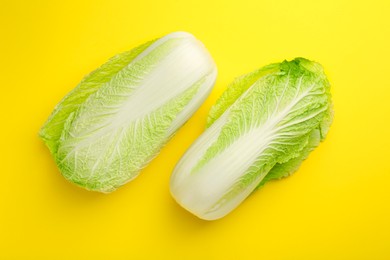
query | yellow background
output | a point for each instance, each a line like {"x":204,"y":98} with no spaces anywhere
{"x":337,"y":206}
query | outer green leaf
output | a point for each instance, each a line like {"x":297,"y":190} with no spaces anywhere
{"x":235,"y":90}
{"x":281,"y":170}
{"x":52,"y":129}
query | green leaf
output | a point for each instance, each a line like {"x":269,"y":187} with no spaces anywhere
{"x":281,"y":170}
{"x":235,"y":90}
{"x":51,"y":131}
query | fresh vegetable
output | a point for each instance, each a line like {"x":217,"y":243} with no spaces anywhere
{"x":118,"y":118}
{"x":261,"y":128}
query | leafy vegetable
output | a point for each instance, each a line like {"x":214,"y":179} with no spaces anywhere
{"x":119,"y":117}
{"x":261,"y":128}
